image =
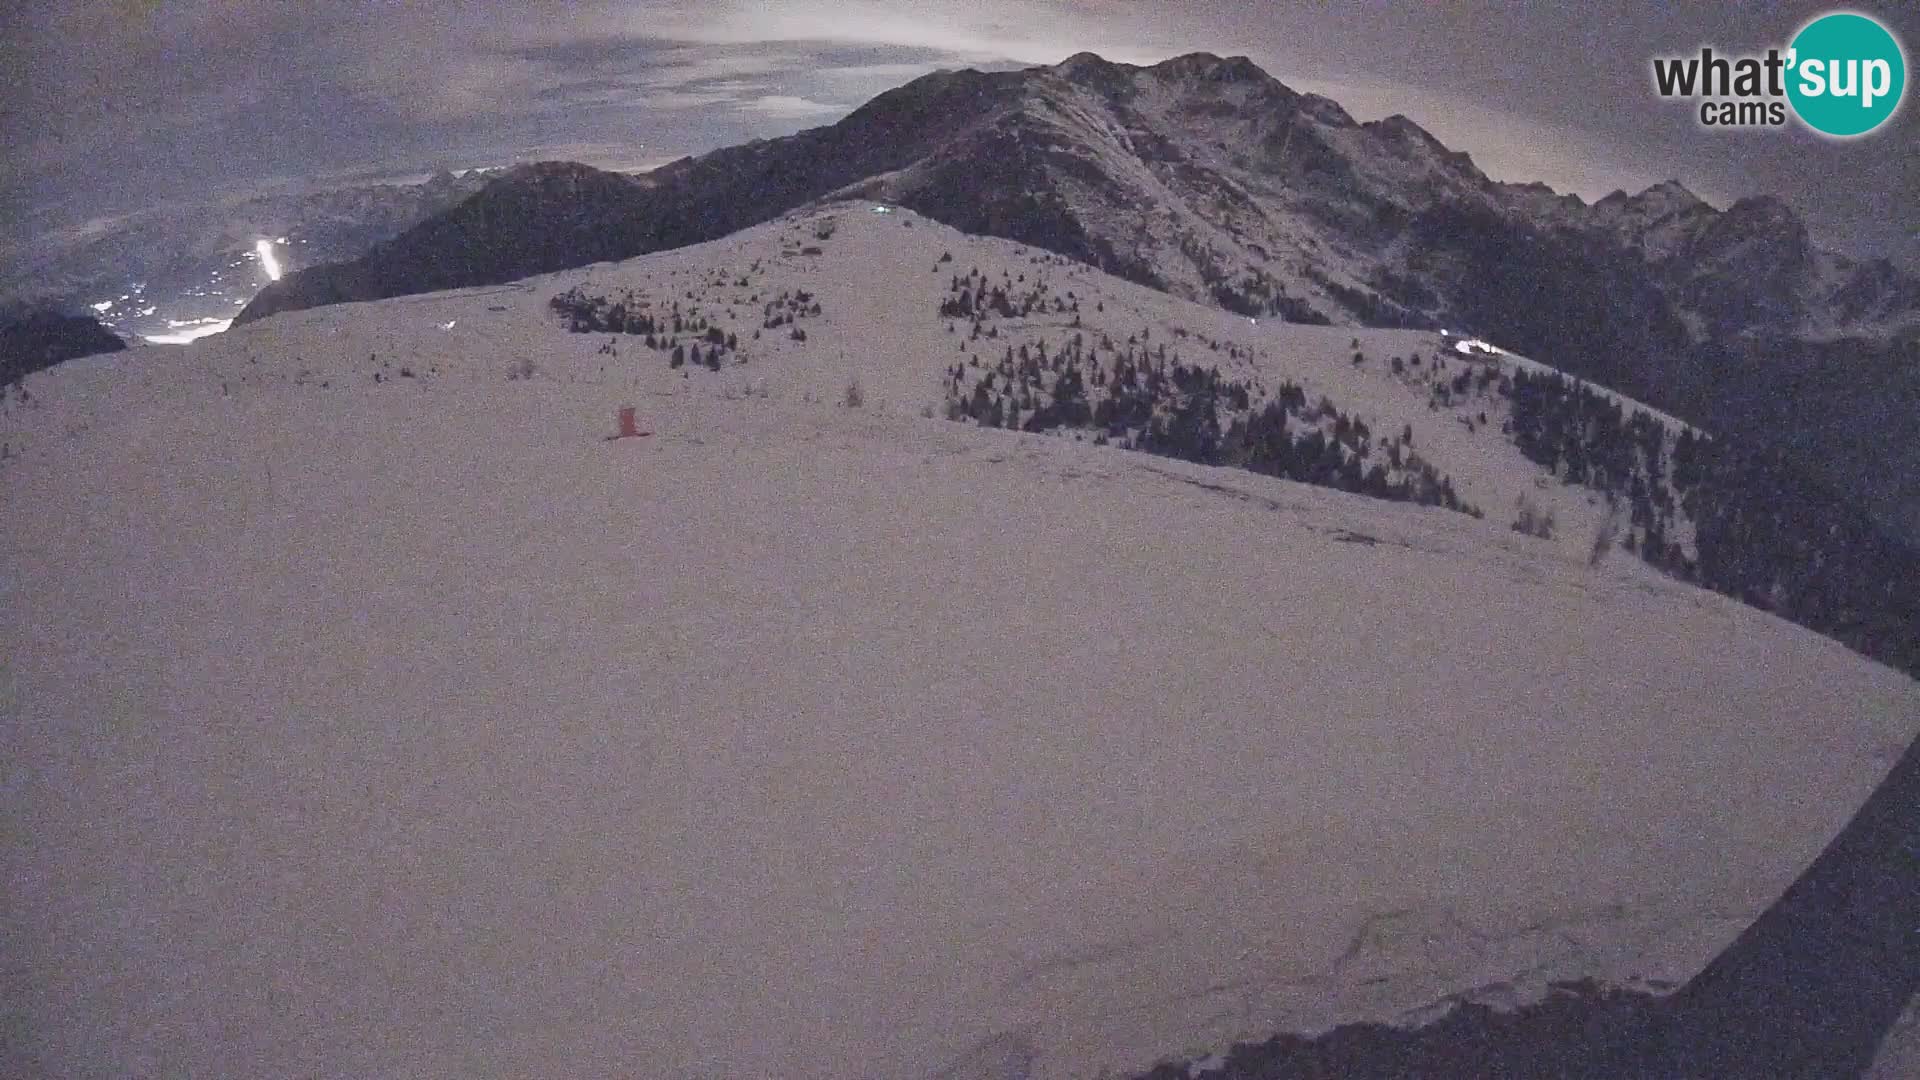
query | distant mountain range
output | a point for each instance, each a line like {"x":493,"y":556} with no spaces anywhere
{"x":1209,"y":179}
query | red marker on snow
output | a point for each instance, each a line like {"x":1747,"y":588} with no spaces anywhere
{"x":627,"y":429}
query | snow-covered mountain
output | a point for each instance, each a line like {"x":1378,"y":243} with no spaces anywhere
{"x":381,"y":715}
{"x":1201,"y":176}
{"x":1209,"y":179}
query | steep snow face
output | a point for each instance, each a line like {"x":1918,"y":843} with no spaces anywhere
{"x":379,"y":716}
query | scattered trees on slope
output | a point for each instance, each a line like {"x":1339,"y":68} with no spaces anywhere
{"x":1763,"y":532}
{"x":1151,"y":400}
{"x":683,"y":335}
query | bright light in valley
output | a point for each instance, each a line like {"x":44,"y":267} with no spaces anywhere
{"x":265,"y":248}
{"x":193,"y":331}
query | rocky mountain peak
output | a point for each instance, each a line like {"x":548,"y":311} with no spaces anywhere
{"x":1085,"y":63}
{"x":1201,"y":74}
{"x":1661,"y":201}
{"x":1759,"y":227}
{"x":1670,"y":193}
{"x":1329,"y":112}
{"x":1764,"y":212}
{"x":1095,"y":72}
{"x":549,"y":172}
{"x":1400,"y":126}
{"x":1207,"y":67}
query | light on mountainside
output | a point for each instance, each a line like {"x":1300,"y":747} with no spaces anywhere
{"x":190,"y":330}
{"x":264,"y":248}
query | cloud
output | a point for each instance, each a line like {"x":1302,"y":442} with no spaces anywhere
{"x":660,"y":75}
{"x":890,"y":73}
{"x":786,"y":106}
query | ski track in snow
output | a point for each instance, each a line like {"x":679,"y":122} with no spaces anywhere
{"x":409,"y":728}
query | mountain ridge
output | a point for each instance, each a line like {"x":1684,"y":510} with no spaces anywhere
{"x":901,"y":145}
{"x":1205,"y":177}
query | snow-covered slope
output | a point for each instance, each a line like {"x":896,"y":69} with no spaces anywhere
{"x":880,"y":283}
{"x":371,"y":714}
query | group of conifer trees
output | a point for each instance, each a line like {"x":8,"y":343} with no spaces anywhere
{"x":1764,"y":533}
{"x":684,"y":337}
{"x":1144,"y":399}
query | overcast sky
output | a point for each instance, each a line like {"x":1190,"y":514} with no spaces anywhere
{"x":110,"y":105}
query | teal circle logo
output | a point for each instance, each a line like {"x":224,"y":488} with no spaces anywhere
{"x":1847,"y":74}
